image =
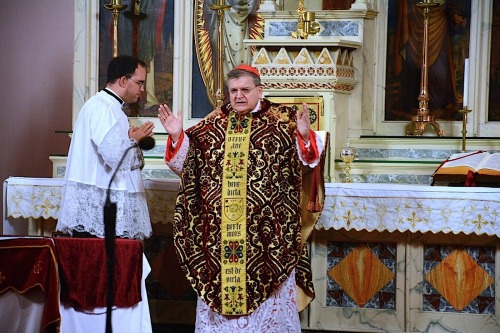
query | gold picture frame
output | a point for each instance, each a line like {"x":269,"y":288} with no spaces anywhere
{"x":315,"y":105}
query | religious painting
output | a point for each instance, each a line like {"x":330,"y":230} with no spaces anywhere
{"x":448,"y":47}
{"x":239,"y":21}
{"x":494,"y":84}
{"x":337,"y":4}
{"x":146,"y":31}
{"x":315,"y":105}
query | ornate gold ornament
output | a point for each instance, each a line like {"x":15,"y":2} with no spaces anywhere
{"x":307,"y":24}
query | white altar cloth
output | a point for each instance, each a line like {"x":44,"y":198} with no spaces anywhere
{"x":34,"y":198}
{"x":351,"y":206}
{"x":414,"y":208}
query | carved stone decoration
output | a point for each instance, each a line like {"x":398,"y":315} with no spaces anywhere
{"x":306,"y":69}
{"x":320,"y":62}
{"x":321,"y":66}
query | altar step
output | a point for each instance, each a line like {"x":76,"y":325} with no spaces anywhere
{"x":402,"y":160}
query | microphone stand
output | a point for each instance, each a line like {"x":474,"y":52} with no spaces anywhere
{"x":110,"y":232}
{"x":109,"y":238}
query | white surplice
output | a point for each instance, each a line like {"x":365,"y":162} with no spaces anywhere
{"x":100,"y":139}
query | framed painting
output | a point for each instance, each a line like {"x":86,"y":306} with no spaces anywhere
{"x":146,"y":31}
{"x":240,"y":21}
{"x":315,"y":105}
{"x":494,"y":83}
{"x":448,"y":47}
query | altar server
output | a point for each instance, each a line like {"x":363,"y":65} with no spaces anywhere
{"x":101,"y":137}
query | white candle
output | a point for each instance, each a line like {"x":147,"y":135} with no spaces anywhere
{"x":466,"y":83}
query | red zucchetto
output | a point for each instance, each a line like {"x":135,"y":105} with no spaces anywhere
{"x":248,"y":68}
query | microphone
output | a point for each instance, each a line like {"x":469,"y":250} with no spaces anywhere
{"x":145,"y":143}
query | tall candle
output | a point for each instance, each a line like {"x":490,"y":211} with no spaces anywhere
{"x":466,"y":83}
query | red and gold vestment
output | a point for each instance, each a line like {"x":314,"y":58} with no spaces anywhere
{"x":273,"y":244}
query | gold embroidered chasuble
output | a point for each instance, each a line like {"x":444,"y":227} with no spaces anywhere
{"x":272,"y":218}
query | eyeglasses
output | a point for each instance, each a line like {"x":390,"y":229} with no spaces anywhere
{"x":140,"y":83}
{"x":244,"y":91}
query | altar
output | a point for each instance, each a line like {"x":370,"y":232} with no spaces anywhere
{"x":385,"y":257}
{"x":406,"y":258}
{"x":413,"y":208}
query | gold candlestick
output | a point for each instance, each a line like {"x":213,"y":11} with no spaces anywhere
{"x":115,"y":7}
{"x":220,"y":6}
{"x":464,"y":113}
{"x":423,"y":118}
{"x":347,"y":155}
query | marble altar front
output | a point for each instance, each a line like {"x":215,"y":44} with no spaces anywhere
{"x":406,"y":258}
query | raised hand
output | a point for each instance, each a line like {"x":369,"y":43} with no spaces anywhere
{"x":171,"y":123}
{"x":304,"y":123}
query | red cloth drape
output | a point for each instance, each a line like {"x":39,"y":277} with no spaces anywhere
{"x":28,"y":263}
{"x":83,"y":272}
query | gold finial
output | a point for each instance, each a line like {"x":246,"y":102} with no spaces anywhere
{"x":306,"y":25}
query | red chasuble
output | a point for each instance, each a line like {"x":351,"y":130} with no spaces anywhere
{"x":273,"y":219}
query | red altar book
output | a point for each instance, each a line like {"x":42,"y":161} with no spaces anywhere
{"x":477,"y":168}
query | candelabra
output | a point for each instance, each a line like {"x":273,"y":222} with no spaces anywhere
{"x":220,"y":6}
{"x":464,"y":113}
{"x":423,"y":118}
{"x":115,"y":7}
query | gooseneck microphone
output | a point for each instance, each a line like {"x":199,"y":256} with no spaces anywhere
{"x":146,"y":143}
